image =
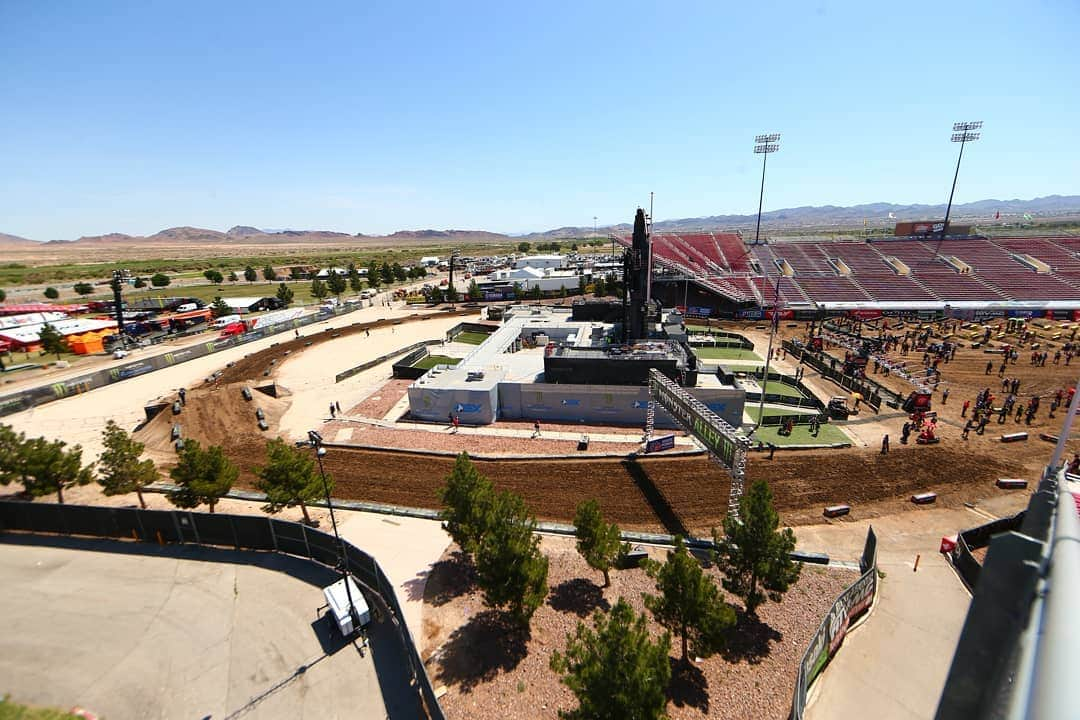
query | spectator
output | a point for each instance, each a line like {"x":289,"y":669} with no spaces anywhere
{"x":885,"y":445}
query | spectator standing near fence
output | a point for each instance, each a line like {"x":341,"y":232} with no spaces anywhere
{"x":885,"y":445}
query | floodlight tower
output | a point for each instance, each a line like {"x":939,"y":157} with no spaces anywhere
{"x":962,"y":133}
{"x":764,"y":145}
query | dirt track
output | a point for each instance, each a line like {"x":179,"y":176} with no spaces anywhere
{"x":672,"y":494}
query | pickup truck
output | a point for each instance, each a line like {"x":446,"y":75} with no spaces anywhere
{"x":237,"y":328}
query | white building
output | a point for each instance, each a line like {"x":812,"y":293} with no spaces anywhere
{"x":549,"y":280}
{"x":429,"y":261}
{"x":542,"y":262}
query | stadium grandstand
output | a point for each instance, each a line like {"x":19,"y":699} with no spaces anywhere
{"x":730,"y":276}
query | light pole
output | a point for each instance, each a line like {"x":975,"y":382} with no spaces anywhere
{"x":765,"y":145}
{"x":317,"y":442}
{"x":119,"y":277}
{"x":962,"y":133}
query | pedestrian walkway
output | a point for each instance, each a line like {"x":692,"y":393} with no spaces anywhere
{"x":900,"y":655}
{"x":495,"y":431}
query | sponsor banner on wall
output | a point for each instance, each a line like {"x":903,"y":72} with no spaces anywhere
{"x":852,"y":603}
{"x":665,"y":442}
{"x":752,"y":314}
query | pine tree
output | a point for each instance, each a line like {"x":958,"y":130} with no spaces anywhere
{"x":284,"y":294}
{"x":599,"y":288}
{"x":12,"y":455}
{"x":203,"y":476}
{"x":219,"y":308}
{"x":373,"y":278}
{"x":318,"y":289}
{"x":511,"y":571}
{"x":597,"y":541}
{"x":121,"y":470}
{"x":269,"y":274}
{"x":336,"y":283}
{"x":250,"y":275}
{"x":52,"y":293}
{"x":615,"y":671}
{"x":49,"y":468}
{"x":754,"y":556}
{"x":52,"y":341}
{"x":160,"y":280}
{"x":355,"y":283}
{"x":290,"y":477}
{"x":467,"y":498}
{"x":689,"y":604}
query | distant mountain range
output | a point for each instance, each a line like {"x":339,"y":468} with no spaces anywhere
{"x":826,"y":216}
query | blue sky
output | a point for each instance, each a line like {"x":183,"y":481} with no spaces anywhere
{"x":372,"y":117}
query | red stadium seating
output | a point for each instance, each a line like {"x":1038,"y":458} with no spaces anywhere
{"x":722,"y":263}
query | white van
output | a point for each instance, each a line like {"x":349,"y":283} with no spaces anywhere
{"x":226,"y":320}
{"x":187,"y":307}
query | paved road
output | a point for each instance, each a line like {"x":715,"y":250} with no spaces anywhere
{"x":896,"y":661}
{"x":136,"y":631}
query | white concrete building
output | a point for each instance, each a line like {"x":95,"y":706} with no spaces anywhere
{"x":541,"y":262}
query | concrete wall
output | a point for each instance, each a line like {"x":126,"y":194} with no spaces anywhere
{"x":473,"y":406}
{"x":600,"y":404}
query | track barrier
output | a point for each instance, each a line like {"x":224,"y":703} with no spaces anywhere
{"x":849,"y":605}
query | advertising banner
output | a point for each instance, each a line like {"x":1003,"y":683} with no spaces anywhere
{"x":666,"y":442}
{"x":716,"y":435}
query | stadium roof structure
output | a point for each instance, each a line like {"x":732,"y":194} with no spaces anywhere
{"x":40,"y":307}
{"x":31,"y":334}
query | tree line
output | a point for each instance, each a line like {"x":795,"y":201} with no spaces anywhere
{"x":202,"y":476}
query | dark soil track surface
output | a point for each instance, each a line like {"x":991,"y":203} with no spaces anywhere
{"x":679,"y":495}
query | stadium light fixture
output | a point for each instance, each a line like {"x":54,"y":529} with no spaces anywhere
{"x":963,"y":133}
{"x":765,"y":145}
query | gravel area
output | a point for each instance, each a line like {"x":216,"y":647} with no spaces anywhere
{"x":382,"y":400}
{"x":490,"y":672}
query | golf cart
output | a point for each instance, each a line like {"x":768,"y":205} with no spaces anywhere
{"x":838,"y":409}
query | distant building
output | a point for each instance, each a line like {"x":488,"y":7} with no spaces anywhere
{"x":242,"y":305}
{"x":429,"y":261}
{"x":327,"y":272}
{"x":294,"y":272}
{"x":541,"y":262}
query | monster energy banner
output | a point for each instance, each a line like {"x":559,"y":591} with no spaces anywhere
{"x":721,"y":439}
